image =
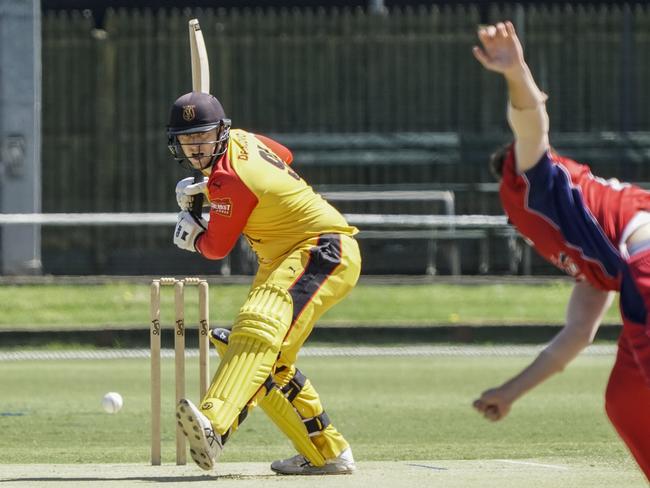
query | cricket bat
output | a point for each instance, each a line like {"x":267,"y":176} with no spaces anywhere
{"x":200,"y":65}
{"x":200,"y":83}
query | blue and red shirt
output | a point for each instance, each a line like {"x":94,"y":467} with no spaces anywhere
{"x":574,"y":219}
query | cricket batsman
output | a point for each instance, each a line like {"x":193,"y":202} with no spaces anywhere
{"x":308,"y":261}
{"x":596,"y":230}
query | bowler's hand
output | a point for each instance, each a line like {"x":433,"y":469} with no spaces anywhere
{"x":501,"y":50}
{"x":186,"y":189}
{"x":494,"y":404}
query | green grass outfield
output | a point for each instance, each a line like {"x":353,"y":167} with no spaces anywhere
{"x":397,"y":409}
{"x":127,"y":305}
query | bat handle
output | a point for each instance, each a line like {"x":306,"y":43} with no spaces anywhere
{"x":197,"y":203}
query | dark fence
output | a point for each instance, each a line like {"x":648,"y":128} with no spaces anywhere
{"x":313,"y":78}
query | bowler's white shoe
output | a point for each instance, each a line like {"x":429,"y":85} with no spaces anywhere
{"x":205,"y":443}
{"x":342,"y":464}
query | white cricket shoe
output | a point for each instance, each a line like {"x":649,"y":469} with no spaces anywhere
{"x":342,"y":464}
{"x":205,"y":443}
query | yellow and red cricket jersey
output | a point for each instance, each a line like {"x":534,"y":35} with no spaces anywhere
{"x":252,"y":190}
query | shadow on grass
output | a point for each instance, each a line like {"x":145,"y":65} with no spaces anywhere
{"x":157,"y":479}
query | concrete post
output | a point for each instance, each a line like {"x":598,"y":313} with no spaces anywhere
{"x":20,"y":132}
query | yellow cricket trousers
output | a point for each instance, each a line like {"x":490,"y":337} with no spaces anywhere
{"x":318,"y":274}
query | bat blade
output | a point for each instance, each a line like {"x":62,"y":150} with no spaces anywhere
{"x":200,"y":64}
{"x":200,"y":83}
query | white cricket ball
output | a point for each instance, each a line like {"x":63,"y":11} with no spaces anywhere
{"x":112,"y":402}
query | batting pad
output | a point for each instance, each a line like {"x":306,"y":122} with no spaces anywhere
{"x":253,"y":348}
{"x":277,"y":407}
{"x":284,"y":415}
{"x":219,"y":338}
{"x":298,"y":390}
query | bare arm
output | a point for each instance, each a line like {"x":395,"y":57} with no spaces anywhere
{"x":585,"y":311}
{"x":502,"y":52}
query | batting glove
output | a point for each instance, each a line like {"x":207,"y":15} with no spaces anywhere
{"x":186,"y":189}
{"x":188,"y":229}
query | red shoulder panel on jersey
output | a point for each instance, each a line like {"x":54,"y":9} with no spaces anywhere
{"x":282,"y":151}
{"x":231,"y":203}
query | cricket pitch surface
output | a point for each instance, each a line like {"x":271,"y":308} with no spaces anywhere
{"x":497,"y":473}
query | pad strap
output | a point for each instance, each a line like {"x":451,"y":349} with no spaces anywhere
{"x":317,"y":424}
{"x":221,"y":335}
{"x":269,"y":384}
{"x":295,"y":386}
{"x":242,"y":415}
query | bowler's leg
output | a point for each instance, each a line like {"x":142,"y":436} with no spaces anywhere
{"x":627,"y":399}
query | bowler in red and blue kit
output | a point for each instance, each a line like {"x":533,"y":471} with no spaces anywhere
{"x":595,"y":230}
{"x":579,"y":223}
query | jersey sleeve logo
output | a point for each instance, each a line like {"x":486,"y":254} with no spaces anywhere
{"x":568,"y":265}
{"x":222,"y":206}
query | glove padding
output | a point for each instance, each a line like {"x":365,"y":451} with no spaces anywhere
{"x":188,"y":229}
{"x":186,"y":189}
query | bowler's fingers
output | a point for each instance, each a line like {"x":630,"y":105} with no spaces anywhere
{"x":488,"y":37}
{"x":487,"y":31}
{"x":492,"y":413}
{"x":486,"y":34}
{"x":512,"y":36}
{"x":481,"y":405}
{"x":489,"y":410}
{"x":481,"y":57}
{"x":501,"y":29}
